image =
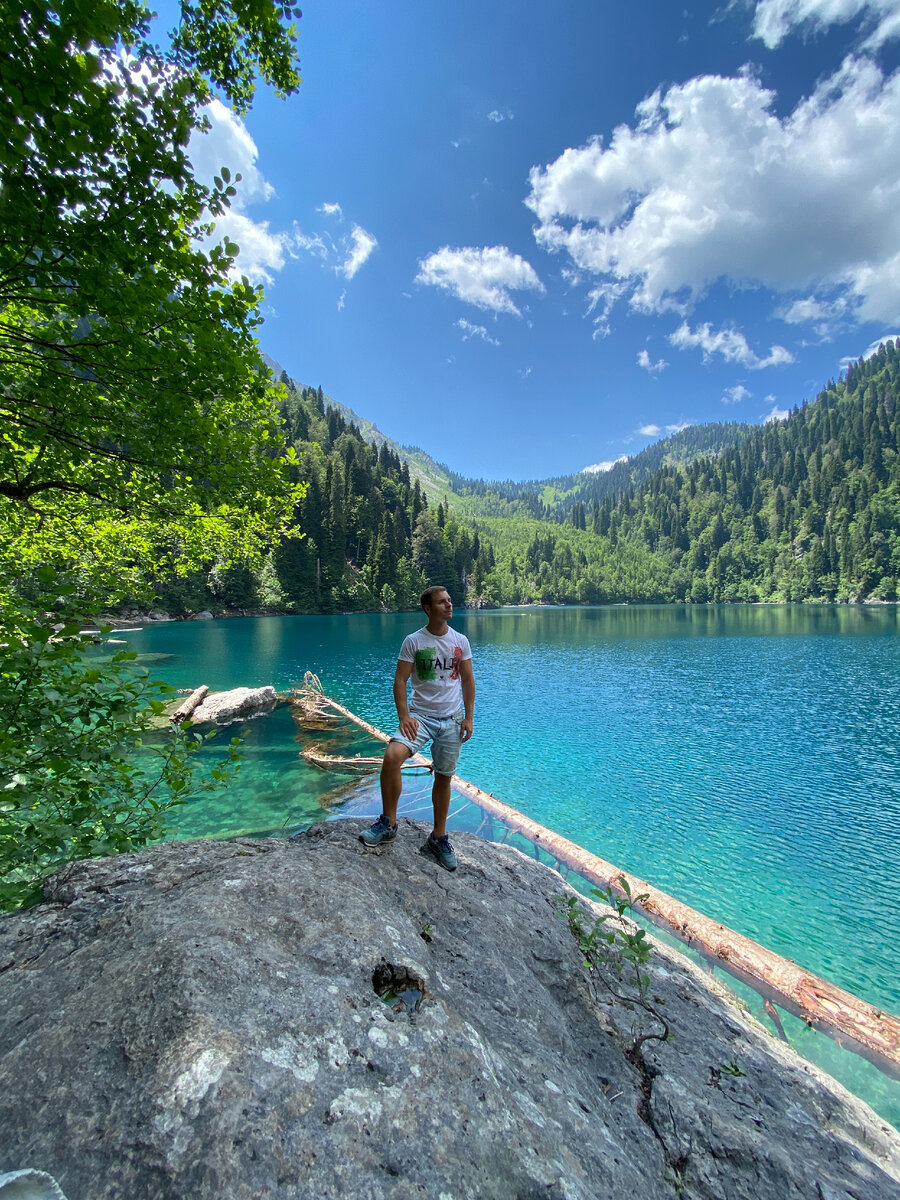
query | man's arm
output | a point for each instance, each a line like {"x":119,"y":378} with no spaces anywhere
{"x":409,"y":726}
{"x":467,"y":678}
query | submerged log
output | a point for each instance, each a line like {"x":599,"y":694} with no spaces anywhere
{"x":850,"y":1021}
{"x":309,"y":706}
{"x":350,"y":763}
{"x":184,"y":710}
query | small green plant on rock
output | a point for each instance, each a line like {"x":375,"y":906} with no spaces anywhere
{"x":614,"y":941}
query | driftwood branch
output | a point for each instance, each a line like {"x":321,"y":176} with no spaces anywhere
{"x":849,"y":1020}
{"x":193,"y":701}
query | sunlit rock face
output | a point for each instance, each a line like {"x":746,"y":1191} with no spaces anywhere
{"x":221,"y":708}
{"x":308,"y":1018}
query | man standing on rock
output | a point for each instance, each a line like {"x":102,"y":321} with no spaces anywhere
{"x":439,"y":661}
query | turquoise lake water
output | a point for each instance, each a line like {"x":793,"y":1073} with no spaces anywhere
{"x":745,"y":759}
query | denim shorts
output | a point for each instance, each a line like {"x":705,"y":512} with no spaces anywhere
{"x":445,"y":735}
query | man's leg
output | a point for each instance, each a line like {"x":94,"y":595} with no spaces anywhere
{"x":392,"y":779}
{"x":440,"y":798}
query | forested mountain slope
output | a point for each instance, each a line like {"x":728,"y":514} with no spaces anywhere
{"x":368,"y":538}
{"x":434,"y":477}
{"x":803,"y":509}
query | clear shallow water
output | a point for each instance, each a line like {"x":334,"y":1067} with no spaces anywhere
{"x":745,"y":759}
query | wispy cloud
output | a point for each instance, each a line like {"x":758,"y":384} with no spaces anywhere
{"x":331,"y":209}
{"x":775,"y":19}
{"x":363,"y":244}
{"x":481,"y":276}
{"x":311,"y":243}
{"x":825,"y":316}
{"x":653,"y":368}
{"x":653,"y":430}
{"x":731,"y":344}
{"x":496,"y":115}
{"x":469,"y":330}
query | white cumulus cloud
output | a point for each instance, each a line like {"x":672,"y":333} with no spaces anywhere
{"x":734,"y":395}
{"x":773,"y":20}
{"x":653,"y":368}
{"x":777,"y":414}
{"x":596,"y":468}
{"x":361,"y":248}
{"x":481,"y":276}
{"x":227,"y":143}
{"x":468,"y":330}
{"x":709,"y":183}
{"x":650,"y":430}
{"x":869,"y":351}
{"x":330,"y":209}
{"x":730,"y":343}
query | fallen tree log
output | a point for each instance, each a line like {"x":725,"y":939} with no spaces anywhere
{"x":350,"y":763}
{"x":850,"y":1021}
{"x":184,"y":710}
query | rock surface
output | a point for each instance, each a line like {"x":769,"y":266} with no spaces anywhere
{"x":237,"y":704}
{"x":199,"y":1022}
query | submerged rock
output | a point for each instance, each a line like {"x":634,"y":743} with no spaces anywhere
{"x":201,"y":1022}
{"x":237,"y":704}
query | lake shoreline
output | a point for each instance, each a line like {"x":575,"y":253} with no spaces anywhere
{"x":147,"y":617}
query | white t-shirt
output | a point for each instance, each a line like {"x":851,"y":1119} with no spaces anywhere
{"x":437,"y":689}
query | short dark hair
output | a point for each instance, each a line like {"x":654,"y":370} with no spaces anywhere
{"x":427,"y":597}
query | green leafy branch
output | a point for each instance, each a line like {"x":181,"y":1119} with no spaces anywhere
{"x":614,"y":941}
{"x":82,"y":770}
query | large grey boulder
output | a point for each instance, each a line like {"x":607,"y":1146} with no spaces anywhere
{"x":221,"y":708}
{"x":200,"y":1022}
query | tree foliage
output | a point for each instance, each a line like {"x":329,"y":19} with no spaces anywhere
{"x":135,"y":417}
{"x":82,"y":771}
{"x":138,"y":426}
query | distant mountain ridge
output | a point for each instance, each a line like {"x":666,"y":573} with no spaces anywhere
{"x":552,"y":498}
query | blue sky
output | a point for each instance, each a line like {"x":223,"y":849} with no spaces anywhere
{"x":533,"y":238}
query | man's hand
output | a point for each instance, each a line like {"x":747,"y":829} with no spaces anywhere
{"x":409,"y":727}
{"x":467,"y":679}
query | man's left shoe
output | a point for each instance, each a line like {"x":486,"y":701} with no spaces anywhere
{"x":442,"y":851}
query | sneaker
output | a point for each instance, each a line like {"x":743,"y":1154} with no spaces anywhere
{"x":442,"y":851}
{"x":381,"y":831}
